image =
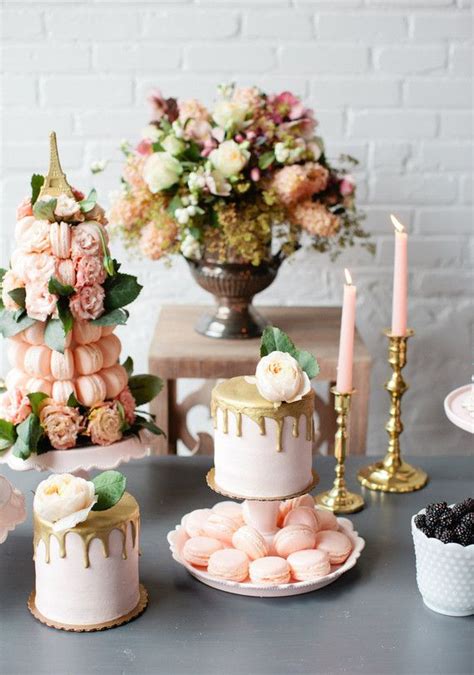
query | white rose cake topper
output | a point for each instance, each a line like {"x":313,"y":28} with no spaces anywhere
{"x":61,"y":300}
{"x":283,"y":373}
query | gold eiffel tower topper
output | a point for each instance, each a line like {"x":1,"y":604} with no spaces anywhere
{"x":55,"y":182}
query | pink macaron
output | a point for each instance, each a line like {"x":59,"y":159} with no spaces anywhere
{"x":303,"y":515}
{"x":250,"y":541}
{"x":62,"y":365}
{"x":90,"y":389}
{"x":293,"y":538}
{"x":110,"y":346}
{"x":107,"y":330}
{"x":336,"y":544}
{"x":84,"y":332}
{"x":34,"y":334}
{"x":16,"y":379}
{"x":194,"y":523}
{"x":289,"y":504}
{"x":35,"y":384}
{"x":37,"y":361}
{"x":62,"y":389}
{"x":231,"y":509}
{"x":327,"y":519}
{"x":229,"y":564}
{"x":60,"y":239}
{"x":66,"y":272}
{"x":16,"y":353}
{"x":198,"y":550}
{"x":88,"y":359}
{"x":309,"y":564}
{"x":221,"y":527}
{"x":115,"y":379}
{"x":271,"y":570}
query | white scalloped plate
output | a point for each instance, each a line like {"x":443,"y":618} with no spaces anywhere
{"x":455,"y":411}
{"x":178,"y":536}
{"x":12,"y":508}
{"x":100,"y":457}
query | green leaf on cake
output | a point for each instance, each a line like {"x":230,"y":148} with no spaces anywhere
{"x":57,"y":288}
{"x":144,"y":388}
{"x":9,"y":326}
{"x":275,"y":340}
{"x":44,"y":209}
{"x":29,"y":433}
{"x":120,"y":290}
{"x":128,"y":365}
{"x":89,"y":202}
{"x":7,"y":431}
{"x":37,"y":181}
{"x":18,"y":295}
{"x":109,"y":489}
{"x":35,"y":399}
{"x":116,"y":317}
{"x":55,"y":336}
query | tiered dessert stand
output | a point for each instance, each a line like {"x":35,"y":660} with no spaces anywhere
{"x":459,"y":407}
{"x":12,"y":508}
{"x":262,"y":514}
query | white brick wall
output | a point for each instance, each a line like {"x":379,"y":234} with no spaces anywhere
{"x":390,"y":81}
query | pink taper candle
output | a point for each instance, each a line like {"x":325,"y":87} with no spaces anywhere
{"x":346,"y":342}
{"x":400,"y":280}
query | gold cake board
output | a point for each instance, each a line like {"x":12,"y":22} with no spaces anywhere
{"x":211,"y":481}
{"x":134,"y":614}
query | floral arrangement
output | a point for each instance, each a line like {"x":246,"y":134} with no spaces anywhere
{"x":232,"y":183}
{"x":61,"y":299}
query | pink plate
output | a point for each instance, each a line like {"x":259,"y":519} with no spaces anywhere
{"x":12,"y":508}
{"x":178,"y":536}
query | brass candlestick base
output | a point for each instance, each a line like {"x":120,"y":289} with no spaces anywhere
{"x":392,"y":474}
{"x":339,"y":499}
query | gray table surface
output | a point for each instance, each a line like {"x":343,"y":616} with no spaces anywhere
{"x":372,"y":620}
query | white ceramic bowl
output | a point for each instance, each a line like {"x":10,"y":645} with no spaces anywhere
{"x":12,"y":508}
{"x":444,"y":573}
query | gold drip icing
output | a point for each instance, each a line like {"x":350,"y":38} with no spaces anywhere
{"x":98,"y":525}
{"x":242,"y":398}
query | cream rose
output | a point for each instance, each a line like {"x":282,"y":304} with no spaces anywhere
{"x":14,"y":406}
{"x":105,"y":424}
{"x":88,"y":302}
{"x":40,"y":268}
{"x":22,"y":226}
{"x":229,"y":114}
{"x":161,"y":171}
{"x":279,"y":378}
{"x":40,"y":303}
{"x":174,"y":146}
{"x":87,"y":239}
{"x":229,"y":158}
{"x":9,"y":283}
{"x":64,"y":500}
{"x":66,"y":207}
{"x":36,"y":238}
{"x":62,"y":424}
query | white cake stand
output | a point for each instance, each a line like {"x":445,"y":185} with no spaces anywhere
{"x":12,"y":508}
{"x":80,"y":461}
{"x":456,"y":408}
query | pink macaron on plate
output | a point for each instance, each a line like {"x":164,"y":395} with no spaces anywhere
{"x":101,"y":457}
{"x":178,"y":537}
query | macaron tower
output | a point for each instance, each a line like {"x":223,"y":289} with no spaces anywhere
{"x":62,"y":298}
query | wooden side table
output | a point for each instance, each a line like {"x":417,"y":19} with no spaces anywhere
{"x":177,"y":351}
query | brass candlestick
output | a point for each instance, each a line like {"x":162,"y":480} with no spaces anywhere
{"x":392,"y":474}
{"x":339,"y":499}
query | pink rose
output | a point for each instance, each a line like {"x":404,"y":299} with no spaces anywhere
{"x":105,"y":424}
{"x":88,"y":302}
{"x":129,"y":404}
{"x":65,"y":272}
{"x":89,"y":271}
{"x":40,"y":303}
{"x":66,"y":207}
{"x":62,"y":424}
{"x":20,"y":262}
{"x":14,"y":406}
{"x":36,"y":238}
{"x":86,"y":239}
{"x":40,"y":268}
{"x":24,"y":209}
{"x":347,"y":185}
{"x":9,"y":283}
{"x":22,"y":226}
{"x":144,"y":147}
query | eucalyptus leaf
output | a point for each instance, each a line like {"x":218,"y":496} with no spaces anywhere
{"x":109,"y":489}
{"x":89,"y":202}
{"x":37,"y":181}
{"x":7,"y":431}
{"x":18,"y":295}
{"x":128,"y":365}
{"x":144,"y":388}
{"x":10,"y":327}
{"x":35,"y":399}
{"x":308,"y":363}
{"x":4,"y":444}
{"x":57,"y":288}
{"x":116,"y":317}
{"x":29,"y":432}
{"x":120,"y":290}
{"x":44,"y":209}
{"x":55,"y":336}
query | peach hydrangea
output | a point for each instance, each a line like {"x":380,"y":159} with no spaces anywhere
{"x":295,"y":183}
{"x":156,"y":240}
{"x":315,"y":218}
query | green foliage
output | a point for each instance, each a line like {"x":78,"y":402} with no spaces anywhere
{"x":265,"y":160}
{"x":144,"y":388}
{"x":37,"y":181}
{"x":143,"y":423}
{"x":89,"y":202}
{"x":18,"y":295}
{"x":57,"y":288}
{"x":109,"y":489}
{"x":275,"y":340}
{"x":44,"y":209}
{"x":120,"y":290}
{"x":55,"y":335}
{"x":128,"y":365}
{"x":35,"y":400}
{"x":12,"y":323}
{"x":29,"y":433}
{"x":7,"y":432}
{"x":116,"y":317}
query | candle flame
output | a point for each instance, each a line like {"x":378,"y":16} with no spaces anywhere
{"x":347,"y":274}
{"x":396,"y":224}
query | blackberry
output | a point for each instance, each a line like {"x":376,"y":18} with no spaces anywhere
{"x":434,"y":511}
{"x":447,"y":520}
{"x":463,"y":535}
{"x":420,"y":521}
{"x":444,"y":535}
{"x":461,"y":509}
{"x":468,"y":521}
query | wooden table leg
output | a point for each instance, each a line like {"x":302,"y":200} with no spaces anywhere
{"x":360,"y":410}
{"x":172,"y":417}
